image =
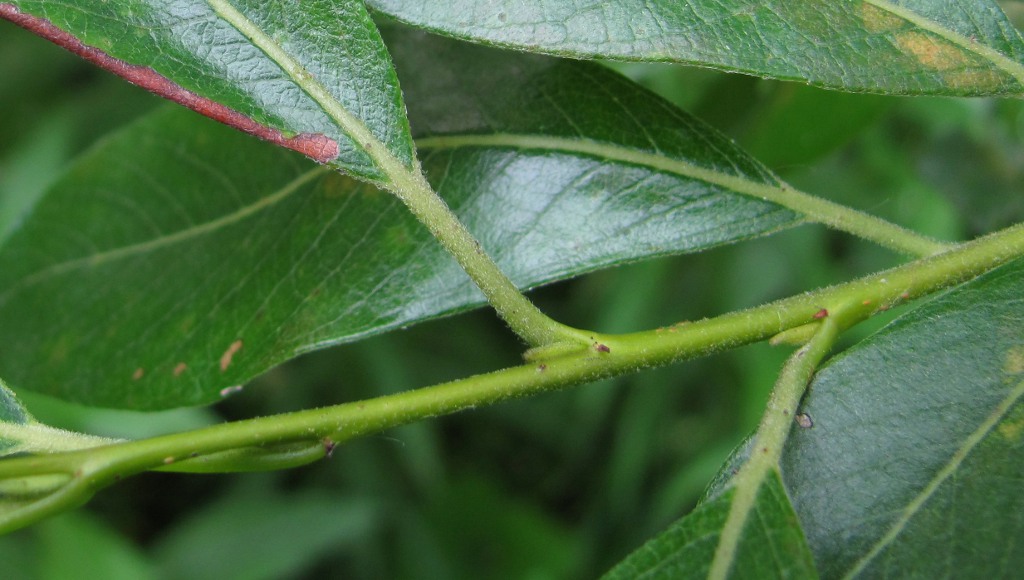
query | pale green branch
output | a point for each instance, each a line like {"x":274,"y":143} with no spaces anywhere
{"x":295,"y":438}
{"x":770,"y":438}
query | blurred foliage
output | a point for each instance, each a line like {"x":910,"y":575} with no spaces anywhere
{"x":562,"y":486}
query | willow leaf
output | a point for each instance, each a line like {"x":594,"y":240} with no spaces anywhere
{"x":946,"y":47}
{"x":21,"y":433}
{"x":914,"y":463}
{"x":180,"y":259}
{"x":771,"y":543}
{"x":316,"y":79}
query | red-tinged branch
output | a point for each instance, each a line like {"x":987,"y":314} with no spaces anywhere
{"x":314,"y":145}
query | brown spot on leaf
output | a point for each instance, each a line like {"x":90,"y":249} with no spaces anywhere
{"x":823,"y":313}
{"x":225,"y":359}
{"x":138,"y":374}
{"x":180,"y":368}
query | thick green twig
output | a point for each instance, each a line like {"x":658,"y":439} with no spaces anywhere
{"x":51,"y":483}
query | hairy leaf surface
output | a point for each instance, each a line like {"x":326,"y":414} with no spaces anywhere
{"x":949,"y":47}
{"x":21,"y":433}
{"x":305,"y":78}
{"x":180,"y":258}
{"x":915,"y":461}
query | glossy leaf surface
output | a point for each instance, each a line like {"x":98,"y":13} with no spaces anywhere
{"x":771,"y":544}
{"x":955,"y":47}
{"x":210,"y":257}
{"x":230,"y":61}
{"x":914,"y":463}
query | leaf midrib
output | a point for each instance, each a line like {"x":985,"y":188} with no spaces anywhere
{"x":812,"y":208}
{"x":177,"y":237}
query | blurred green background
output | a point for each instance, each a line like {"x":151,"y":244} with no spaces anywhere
{"x":562,"y":486}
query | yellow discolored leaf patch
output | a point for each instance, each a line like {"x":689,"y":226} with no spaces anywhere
{"x":1012,"y":429}
{"x":878,"y":20}
{"x":1013,"y":364}
{"x":932,"y":52}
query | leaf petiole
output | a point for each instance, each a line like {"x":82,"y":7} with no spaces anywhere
{"x":408,"y":183}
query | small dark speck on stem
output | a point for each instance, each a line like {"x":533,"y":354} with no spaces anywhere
{"x":329,"y":446}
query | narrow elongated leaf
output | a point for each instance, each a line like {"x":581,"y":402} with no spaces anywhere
{"x":180,"y":259}
{"x":269,"y":535}
{"x":914,"y":463}
{"x":581,"y":149}
{"x":771,"y":544}
{"x":309,"y":77}
{"x":952,"y":47}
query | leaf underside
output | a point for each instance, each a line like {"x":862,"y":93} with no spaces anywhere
{"x":185,"y":51}
{"x":181,"y":258}
{"x":912,"y":464}
{"x":945,"y":47}
{"x":915,"y":462}
{"x":771,"y":544}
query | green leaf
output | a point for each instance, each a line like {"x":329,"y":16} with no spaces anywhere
{"x":80,"y":545}
{"x":944,"y":47}
{"x":11,"y":411}
{"x":179,"y":258}
{"x":515,"y":541}
{"x":915,"y":459}
{"x":532,"y":130}
{"x":21,"y":433}
{"x":316,"y":79}
{"x":771,"y":544}
{"x":267,"y":534}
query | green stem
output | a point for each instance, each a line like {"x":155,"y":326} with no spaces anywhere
{"x":407,"y":182}
{"x":277,"y":436}
{"x":770,"y":438}
{"x":815,"y":209}
{"x":522,"y":316}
